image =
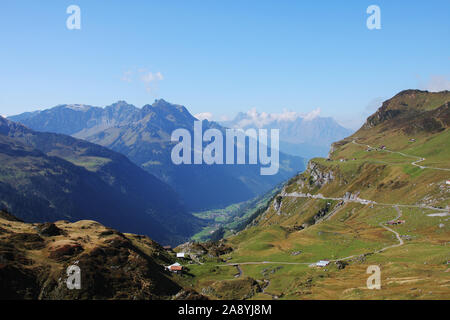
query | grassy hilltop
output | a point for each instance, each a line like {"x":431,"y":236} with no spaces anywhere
{"x":114,"y":265}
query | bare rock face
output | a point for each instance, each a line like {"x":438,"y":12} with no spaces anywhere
{"x":341,"y":264}
{"x":318,"y":175}
{"x":210,"y":248}
{"x":277,"y":204}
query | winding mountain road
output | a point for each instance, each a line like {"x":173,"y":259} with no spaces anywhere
{"x":361,"y":201}
{"x":400,"y":240}
{"x":354,"y":199}
{"x":357,"y":200}
{"x":400,"y":243}
{"x":414,"y":163}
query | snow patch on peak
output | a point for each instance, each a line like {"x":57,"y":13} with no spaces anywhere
{"x":261,"y":119}
{"x":312,"y":115}
{"x":204,"y":116}
{"x":77,"y":107}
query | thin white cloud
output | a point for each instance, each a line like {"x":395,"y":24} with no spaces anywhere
{"x":313,"y":114}
{"x":356,"y":120}
{"x":127,"y":76}
{"x":437,"y":83}
{"x":373,"y":105}
{"x":350,"y":122}
{"x":151,"y":80}
{"x":225,"y":117}
{"x":261,"y":119}
{"x":151,"y":77}
{"x":204,"y":116}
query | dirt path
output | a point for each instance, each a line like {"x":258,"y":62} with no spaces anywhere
{"x":267,"y":282}
{"x":261,"y":262}
{"x":350,"y":199}
{"x":397,"y":235}
{"x":414,"y":163}
{"x":400,"y":240}
{"x":240,"y":272}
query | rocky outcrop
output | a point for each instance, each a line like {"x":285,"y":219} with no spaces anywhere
{"x":34,"y":261}
{"x":341,"y":264}
{"x":319,"y":176}
{"x":210,"y":249}
{"x":277,"y":204}
{"x":49,"y":230}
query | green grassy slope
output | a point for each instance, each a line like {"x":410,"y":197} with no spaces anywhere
{"x":321,"y":214}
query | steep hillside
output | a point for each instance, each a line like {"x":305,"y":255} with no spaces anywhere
{"x":381,"y":198}
{"x":143,"y":135}
{"x":34,"y":259}
{"x":45,"y":177}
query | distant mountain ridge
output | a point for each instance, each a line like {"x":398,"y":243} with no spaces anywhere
{"x":48,"y":177}
{"x":143,"y":135}
{"x":302,"y":135}
{"x":72,"y":119}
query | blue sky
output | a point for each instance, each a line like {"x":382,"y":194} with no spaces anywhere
{"x":222,"y":56}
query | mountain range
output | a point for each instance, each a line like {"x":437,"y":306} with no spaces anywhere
{"x":306,"y":136}
{"x":144,"y":136}
{"x":48,"y":177}
{"x":379,"y":201}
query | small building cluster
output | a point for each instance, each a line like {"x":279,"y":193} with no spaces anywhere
{"x":322,"y":263}
{"x":395,"y":222}
{"x":175,"y":268}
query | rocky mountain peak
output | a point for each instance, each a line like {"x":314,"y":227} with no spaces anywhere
{"x":169,"y":111}
{"x":121,"y":106}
